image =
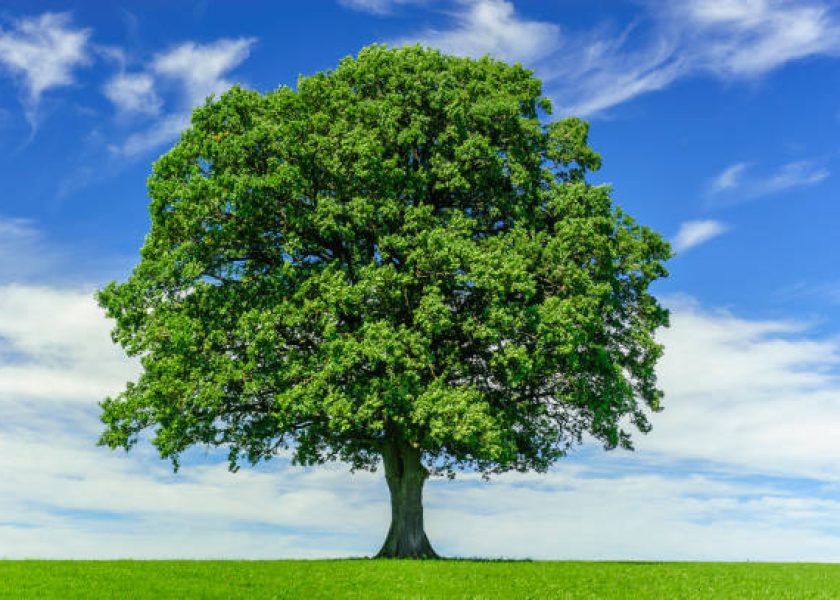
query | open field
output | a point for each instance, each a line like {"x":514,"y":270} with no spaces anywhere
{"x":406,"y":579}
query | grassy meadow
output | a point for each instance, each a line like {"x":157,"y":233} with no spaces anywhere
{"x":370,"y":579}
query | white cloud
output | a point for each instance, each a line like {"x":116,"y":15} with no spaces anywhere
{"x":601,"y":69}
{"x":17,"y":229}
{"x":22,"y":254}
{"x":723,"y":38}
{"x":760,"y":396}
{"x":200,"y":68}
{"x":165,"y":129}
{"x":742,"y":463}
{"x":43,"y":51}
{"x":197,"y":70}
{"x":792,"y":175}
{"x":133,"y":93}
{"x":60,"y":495}
{"x":729,"y":178}
{"x":581,"y":514}
{"x":377,"y":7}
{"x":51,"y":336}
{"x":27,"y":256}
{"x":589,"y":72}
{"x":694,"y":233}
{"x":743,"y":398}
{"x":492,"y":27}
{"x":823,"y":291}
{"x":736,"y":184}
{"x":753,"y":37}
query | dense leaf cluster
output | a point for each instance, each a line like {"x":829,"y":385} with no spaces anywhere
{"x":399,"y":249}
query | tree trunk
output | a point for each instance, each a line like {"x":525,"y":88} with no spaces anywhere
{"x":405,"y":475}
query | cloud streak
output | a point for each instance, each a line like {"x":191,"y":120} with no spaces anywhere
{"x":729,"y":178}
{"x":589,"y":72}
{"x":23,"y":254}
{"x":378,"y":7}
{"x":719,"y":38}
{"x":694,"y":233}
{"x":740,"y":182}
{"x":756,"y":36}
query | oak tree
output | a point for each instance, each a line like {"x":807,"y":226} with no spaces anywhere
{"x":398,"y":261}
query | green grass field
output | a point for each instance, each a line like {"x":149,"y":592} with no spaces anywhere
{"x":406,"y":579}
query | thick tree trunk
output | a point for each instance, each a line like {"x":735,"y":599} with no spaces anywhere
{"x":405,"y":475}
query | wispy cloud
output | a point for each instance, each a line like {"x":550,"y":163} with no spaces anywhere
{"x":756,"y":36}
{"x":826,"y":292}
{"x":492,"y":27}
{"x":43,"y":52}
{"x":23,"y":254}
{"x":28,"y":255}
{"x":378,"y":7}
{"x":196,"y":70}
{"x":604,"y":68}
{"x":694,"y":233}
{"x":729,"y":178}
{"x":792,"y":175}
{"x":165,"y":129}
{"x":589,"y":72}
{"x":721,"y":38}
{"x":740,"y":182}
{"x":17,"y":229}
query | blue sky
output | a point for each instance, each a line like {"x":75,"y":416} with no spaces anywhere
{"x":718,"y":123}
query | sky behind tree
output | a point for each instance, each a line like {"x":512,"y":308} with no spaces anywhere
{"x":718,"y":124}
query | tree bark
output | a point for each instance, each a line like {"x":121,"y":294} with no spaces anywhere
{"x":405,"y":475}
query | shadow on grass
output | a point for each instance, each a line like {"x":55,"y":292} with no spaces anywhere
{"x":437,"y":559}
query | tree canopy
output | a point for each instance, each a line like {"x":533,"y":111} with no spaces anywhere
{"x":399,"y":259}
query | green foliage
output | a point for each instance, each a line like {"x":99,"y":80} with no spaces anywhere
{"x":397,"y":249}
{"x":374,"y":580}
